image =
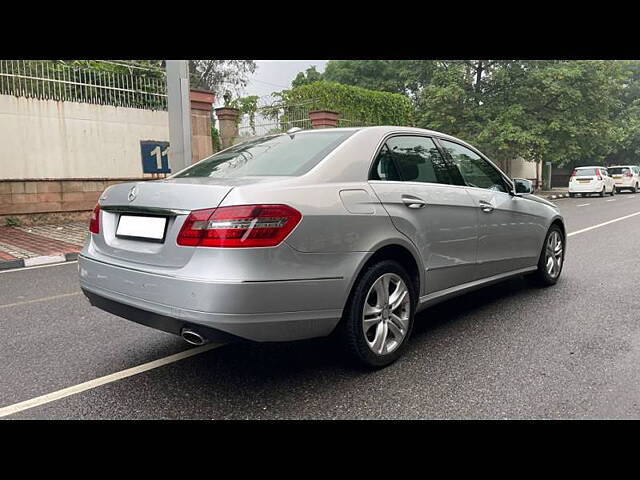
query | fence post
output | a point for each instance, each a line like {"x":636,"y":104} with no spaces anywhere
{"x":227,"y":118}
{"x":323,"y":119}
{"x":201,"y":105}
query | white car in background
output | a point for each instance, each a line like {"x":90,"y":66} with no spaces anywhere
{"x":625,"y":177}
{"x":588,"y":180}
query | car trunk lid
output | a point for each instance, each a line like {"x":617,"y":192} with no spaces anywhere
{"x":168,"y":200}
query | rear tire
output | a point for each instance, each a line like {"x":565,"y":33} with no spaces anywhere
{"x":635,"y":189}
{"x":551,"y":258}
{"x":372,"y":331}
{"x":613,"y":191}
{"x":603,"y":191}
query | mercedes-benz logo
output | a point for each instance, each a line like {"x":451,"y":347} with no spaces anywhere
{"x":132,"y":193}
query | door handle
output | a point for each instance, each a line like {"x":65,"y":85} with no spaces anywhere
{"x":413,"y":202}
{"x":486,"y":206}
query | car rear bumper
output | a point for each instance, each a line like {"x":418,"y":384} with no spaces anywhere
{"x":586,"y":188}
{"x":260,"y":311}
{"x":625,"y":183}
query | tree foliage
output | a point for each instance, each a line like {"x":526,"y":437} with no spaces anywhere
{"x":366,"y":107}
{"x":566,"y":112}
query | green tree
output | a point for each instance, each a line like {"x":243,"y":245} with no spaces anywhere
{"x":558,"y":111}
{"x":311,"y":75}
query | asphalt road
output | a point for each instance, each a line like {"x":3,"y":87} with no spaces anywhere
{"x":506,"y":351}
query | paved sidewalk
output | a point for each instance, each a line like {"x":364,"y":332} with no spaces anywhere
{"x":41,"y":244}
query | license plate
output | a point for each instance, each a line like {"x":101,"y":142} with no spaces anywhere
{"x":141,"y":227}
{"x":617,"y":176}
{"x":584,"y":181}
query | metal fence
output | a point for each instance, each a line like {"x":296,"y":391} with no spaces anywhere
{"x":61,"y":81}
{"x":273,"y":116}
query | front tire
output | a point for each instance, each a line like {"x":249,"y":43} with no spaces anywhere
{"x":551,"y":258}
{"x":378,"y":318}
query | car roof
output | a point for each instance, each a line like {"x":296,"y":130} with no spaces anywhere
{"x":622,"y":166}
{"x":387,"y":129}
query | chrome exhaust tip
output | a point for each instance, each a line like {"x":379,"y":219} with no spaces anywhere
{"x":194,"y":338}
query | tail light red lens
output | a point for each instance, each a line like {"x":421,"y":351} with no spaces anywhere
{"x":238,"y":227}
{"x":628,"y":174}
{"x":94,"y":222}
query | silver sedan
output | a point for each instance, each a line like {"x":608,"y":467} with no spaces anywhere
{"x":298,"y":235}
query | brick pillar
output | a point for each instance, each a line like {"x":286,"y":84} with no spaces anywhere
{"x":228,"y":127}
{"x":323,"y":119}
{"x":201,"y":103}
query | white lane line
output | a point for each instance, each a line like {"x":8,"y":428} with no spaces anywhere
{"x":610,"y":200}
{"x":44,"y":299}
{"x":583,"y":205}
{"x":37,"y":266}
{"x":66,"y":392}
{"x":602,"y":224}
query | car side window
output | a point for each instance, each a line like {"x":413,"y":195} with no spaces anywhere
{"x":475,"y":170}
{"x":411,"y":159}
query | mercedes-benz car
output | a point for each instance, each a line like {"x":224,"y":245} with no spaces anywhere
{"x":343,"y":231}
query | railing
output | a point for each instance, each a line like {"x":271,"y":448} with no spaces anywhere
{"x":276,"y":117}
{"x":57,"y":80}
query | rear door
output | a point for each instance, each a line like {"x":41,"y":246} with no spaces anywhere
{"x":510,"y":228}
{"x":414,"y":183}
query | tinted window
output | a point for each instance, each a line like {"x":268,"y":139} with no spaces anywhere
{"x":274,"y":155}
{"x":411,"y":159}
{"x":585,"y":171}
{"x":475,"y":170}
{"x":618,"y":170}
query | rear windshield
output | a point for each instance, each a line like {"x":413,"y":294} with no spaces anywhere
{"x":618,"y":170}
{"x":585,"y":171}
{"x":287,"y":155}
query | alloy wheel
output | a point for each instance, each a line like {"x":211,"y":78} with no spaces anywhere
{"x":553,"y":255}
{"x":385,"y":316}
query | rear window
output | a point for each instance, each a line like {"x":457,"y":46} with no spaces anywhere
{"x":618,"y":170}
{"x":586,"y":171}
{"x":276,"y":155}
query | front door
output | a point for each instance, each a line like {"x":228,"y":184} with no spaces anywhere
{"x":413,"y":181}
{"x":510,"y":228}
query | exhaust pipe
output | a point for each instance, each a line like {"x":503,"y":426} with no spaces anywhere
{"x":194,"y":338}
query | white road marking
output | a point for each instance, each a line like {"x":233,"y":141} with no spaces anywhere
{"x":602,"y":224}
{"x":44,"y":299}
{"x":66,"y":392}
{"x":38,"y":266}
{"x":583,"y":205}
{"x":610,"y":200}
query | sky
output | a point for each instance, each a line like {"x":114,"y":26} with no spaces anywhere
{"x":275,"y":75}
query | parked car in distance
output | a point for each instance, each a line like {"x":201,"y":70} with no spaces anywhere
{"x":589,"y":180}
{"x":625,"y":177}
{"x":301,"y":234}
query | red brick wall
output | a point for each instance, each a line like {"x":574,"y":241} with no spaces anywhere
{"x":51,"y":196}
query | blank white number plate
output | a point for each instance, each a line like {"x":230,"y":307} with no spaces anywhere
{"x":143,"y":227}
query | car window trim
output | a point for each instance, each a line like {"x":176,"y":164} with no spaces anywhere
{"x":508,"y":182}
{"x":386,"y":138}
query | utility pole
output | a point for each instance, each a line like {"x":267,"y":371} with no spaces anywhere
{"x":179,"y":106}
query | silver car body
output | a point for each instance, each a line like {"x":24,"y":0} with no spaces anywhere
{"x":464,"y":238}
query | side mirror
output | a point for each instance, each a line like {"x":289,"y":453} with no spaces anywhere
{"x":522,"y":185}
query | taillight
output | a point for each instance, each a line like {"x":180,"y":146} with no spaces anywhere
{"x":598,"y":174}
{"x":237,"y":227}
{"x":94,"y":222}
{"x":628,"y":174}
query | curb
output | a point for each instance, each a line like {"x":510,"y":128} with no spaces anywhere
{"x":35,"y":261}
{"x":562,"y":195}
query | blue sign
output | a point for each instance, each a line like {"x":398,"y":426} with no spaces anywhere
{"x":155,"y":156}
